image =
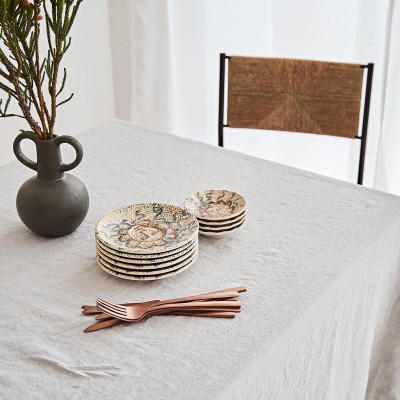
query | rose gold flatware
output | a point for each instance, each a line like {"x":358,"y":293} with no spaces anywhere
{"x":188,"y":307}
{"x":95,"y":309}
{"x":87,"y":310}
{"x":103,"y":324}
{"x":206,"y":296}
{"x":221,"y":294}
{"x":205,"y":308}
{"x":110,"y":322}
{"x":138,"y":311}
{"x":228,"y":296}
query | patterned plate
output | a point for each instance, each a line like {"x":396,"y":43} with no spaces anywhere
{"x":144,"y":277}
{"x":224,"y":221}
{"x":231,"y":224}
{"x":149,"y":228}
{"x":161,"y":271}
{"x":138,"y":267}
{"x":221,"y":233}
{"x":215,"y":205}
{"x":128,"y":258}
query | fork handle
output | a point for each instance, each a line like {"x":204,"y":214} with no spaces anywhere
{"x":200,"y":304}
{"x":221,"y":294}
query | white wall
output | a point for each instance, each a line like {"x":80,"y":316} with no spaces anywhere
{"x":88,"y":63}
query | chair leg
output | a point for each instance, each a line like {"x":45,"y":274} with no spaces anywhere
{"x":364,"y":130}
{"x":362,"y":161}
{"x":222,"y":58}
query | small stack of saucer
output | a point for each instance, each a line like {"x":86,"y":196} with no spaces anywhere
{"x":147,"y":241}
{"x":219,"y":212}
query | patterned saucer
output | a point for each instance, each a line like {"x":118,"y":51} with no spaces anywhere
{"x":210,"y":233}
{"x":128,"y":258}
{"x":128,"y":265}
{"x":224,"y":221}
{"x":161,"y":271}
{"x":149,"y":228}
{"x":215,"y":205}
{"x":221,"y":228}
{"x":144,"y":277}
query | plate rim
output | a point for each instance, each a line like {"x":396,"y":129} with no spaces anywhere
{"x":225,"y":226}
{"x":215,"y":222}
{"x":147,"y":260}
{"x":146,"y":272}
{"x":158,"y":277}
{"x":221,"y":233}
{"x":139,"y":267}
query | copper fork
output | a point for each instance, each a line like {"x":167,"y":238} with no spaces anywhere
{"x":220,"y":294}
{"x":138,"y":311}
{"x":228,"y":295}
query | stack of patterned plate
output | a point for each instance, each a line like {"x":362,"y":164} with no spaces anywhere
{"x":219,"y":212}
{"x":147,"y":241}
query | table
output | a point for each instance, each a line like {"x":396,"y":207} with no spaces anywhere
{"x":320,"y":259}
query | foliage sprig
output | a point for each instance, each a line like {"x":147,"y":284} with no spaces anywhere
{"x":24,"y":75}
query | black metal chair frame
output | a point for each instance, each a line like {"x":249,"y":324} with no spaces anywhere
{"x":364,"y":129}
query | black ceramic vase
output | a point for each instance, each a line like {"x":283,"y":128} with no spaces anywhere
{"x":52,"y":203}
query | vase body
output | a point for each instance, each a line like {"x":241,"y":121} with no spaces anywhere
{"x":52,"y":203}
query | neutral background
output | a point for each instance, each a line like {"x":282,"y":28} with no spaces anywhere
{"x":155,"y":63}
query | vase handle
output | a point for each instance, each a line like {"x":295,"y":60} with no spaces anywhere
{"x":18,"y":152}
{"x":78,"y":148}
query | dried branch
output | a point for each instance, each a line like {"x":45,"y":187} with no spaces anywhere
{"x":20,"y":62}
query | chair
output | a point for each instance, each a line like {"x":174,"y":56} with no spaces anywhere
{"x":297,"y":96}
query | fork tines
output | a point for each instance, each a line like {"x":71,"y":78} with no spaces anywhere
{"x":113,"y":309}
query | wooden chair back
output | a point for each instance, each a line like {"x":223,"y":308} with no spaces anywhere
{"x":305,"y":96}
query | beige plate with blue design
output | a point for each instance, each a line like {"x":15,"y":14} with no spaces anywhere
{"x":222,"y":227}
{"x":144,"y":277}
{"x":149,"y":228}
{"x":223,"y":222}
{"x":215,"y":205}
{"x":128,"y":258}
{"x":210,"y":233}
{"x":160,"y":271}
{"x":142,"y":267}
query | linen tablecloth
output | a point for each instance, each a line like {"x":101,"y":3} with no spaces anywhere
{"x":320,"y":259}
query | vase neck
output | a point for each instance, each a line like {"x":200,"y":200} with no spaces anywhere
{"x":48,"y":160}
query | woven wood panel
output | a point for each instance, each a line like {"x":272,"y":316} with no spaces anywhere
{"x":294,"y":95}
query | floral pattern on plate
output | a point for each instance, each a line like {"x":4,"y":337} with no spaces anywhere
{"x":148,"y":228}
{"x":215,"y":205}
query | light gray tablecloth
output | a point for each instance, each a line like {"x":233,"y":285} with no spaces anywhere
{"x":320,"y":259}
